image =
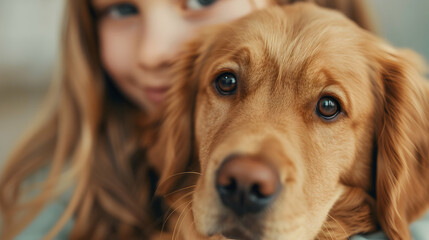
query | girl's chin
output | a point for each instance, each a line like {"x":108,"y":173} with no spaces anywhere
{"x":151,"y":100}
{"x":156,"y":96}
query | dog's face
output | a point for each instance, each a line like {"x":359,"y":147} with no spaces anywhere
{"x":287,"y":104}
{"x":293,"y":101}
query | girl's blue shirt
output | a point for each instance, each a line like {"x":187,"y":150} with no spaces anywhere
{"x":44,"y":223}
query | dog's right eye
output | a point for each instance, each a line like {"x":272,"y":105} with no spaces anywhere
{"x":226,"y":83}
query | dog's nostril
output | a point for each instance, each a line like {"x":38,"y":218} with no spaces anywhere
{"x":230,"y":187}
{"x":246,"y":184}
{"x":255,"y":191}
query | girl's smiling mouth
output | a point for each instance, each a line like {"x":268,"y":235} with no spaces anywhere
{"x":156,"y":95}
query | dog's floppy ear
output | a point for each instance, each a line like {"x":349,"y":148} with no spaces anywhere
{"x":402,"y":135}
{"x":172,"y":153}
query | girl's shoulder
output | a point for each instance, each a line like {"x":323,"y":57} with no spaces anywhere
{"x":44,"y":222}
{"x":50,"y":214}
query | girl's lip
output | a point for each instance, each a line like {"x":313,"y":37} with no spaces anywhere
{"x":156,"y":94}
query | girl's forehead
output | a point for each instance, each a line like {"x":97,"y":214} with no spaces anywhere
{"x":175,"y":2}
{"x":137,"y":1}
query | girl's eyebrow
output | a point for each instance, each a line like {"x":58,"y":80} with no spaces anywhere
{"x":103,"y":3}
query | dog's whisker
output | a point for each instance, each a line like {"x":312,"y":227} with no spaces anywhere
{"x":174,"y":209}
{"x":178,"y":220}
{"x":179,"y":190}
{"x":327,"y":231}
{"x":188,"y":211}
{"x":177,"y":174}
{"x":182,"y":197}
{"x":341,"y":226}
{"x":333,"y":229}
{"x":322,"y":233}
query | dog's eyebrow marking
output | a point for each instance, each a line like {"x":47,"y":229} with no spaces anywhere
{"x":225,"y":66}
{"x":336,"y":87}
{"x":256,"y":68}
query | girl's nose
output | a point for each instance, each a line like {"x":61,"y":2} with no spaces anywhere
{"x":163,"y":33}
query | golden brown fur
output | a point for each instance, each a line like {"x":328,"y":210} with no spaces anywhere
{"x":368,"y":168}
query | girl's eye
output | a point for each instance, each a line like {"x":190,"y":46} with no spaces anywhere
{"x":198,"y":4}
{"x":122,"y":10}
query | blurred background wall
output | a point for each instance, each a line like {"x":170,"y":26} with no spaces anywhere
{"x":404,"y":23}
{"x":29,"y":43}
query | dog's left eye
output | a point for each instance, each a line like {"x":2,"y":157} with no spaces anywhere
{"x":328,"y":107}
{"x":226,"y":83}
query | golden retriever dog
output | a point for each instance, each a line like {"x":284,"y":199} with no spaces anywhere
{"x":297,"y":125}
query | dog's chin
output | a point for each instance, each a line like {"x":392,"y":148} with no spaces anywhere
{"x":232,"y":227}
{"x":238,"y":233}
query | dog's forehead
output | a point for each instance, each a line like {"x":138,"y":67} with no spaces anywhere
{"x":290,"y":42}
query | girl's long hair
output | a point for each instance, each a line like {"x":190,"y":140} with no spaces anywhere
{"x":89,"y":141}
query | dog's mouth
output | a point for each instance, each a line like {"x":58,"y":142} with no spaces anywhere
{"x":244,"y":228}
{"x":238,"y":233}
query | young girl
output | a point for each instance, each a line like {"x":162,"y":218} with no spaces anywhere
{"x":82,"y":171}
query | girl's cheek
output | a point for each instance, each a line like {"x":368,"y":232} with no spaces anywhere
{"x":117,"y":48}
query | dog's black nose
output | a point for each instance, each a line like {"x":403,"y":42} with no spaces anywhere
{"x":246,"y":184}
